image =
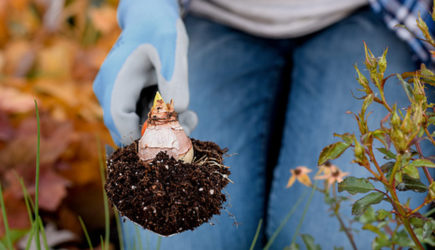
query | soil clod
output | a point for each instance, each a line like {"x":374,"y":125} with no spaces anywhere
{"x":168,"y":196}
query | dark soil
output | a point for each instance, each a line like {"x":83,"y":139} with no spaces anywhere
{"x":168,"y":196}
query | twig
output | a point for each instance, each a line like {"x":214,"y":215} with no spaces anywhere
{"x":340,"y":220}
{"x":425,"y":170}
{"x":346,"y":230}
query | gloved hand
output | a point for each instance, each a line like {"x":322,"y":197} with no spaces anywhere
{"x":151,"y":51}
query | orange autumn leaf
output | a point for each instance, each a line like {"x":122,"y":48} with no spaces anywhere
{"x":57,"y":67}
{"x":104,"y":18}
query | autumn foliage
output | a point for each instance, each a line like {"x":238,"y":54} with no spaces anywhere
{"x":51,"y":51}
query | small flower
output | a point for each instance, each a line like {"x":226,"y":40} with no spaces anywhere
{"x":300,"y":174}
{"x":326,"y":168}
{"x":333,"y":175}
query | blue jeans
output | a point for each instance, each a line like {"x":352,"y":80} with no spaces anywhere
{"x":276,"y":103}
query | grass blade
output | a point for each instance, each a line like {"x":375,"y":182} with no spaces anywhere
{"x":29,"y":207}
{"x":41,"y":228}
{"x":284,"y":222}
{"x":102,"y":242}
{"x":38,"y":146}
{"x":27,"y":199}
{"x":5,"y":221}
{"x":32,"y":232}
{"x":85,"y":231}
{"x":118,"y":228}
{"x":106,"y":202}
{"x":256,"y":235}
{"x":2,"y":247}
{"x":307,"y":205}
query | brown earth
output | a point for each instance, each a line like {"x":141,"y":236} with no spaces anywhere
{"x":168,"y":196}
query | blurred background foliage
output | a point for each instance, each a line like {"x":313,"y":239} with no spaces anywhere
{"x":50,"y":50}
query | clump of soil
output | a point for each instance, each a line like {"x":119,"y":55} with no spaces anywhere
{"x":168,"y":196}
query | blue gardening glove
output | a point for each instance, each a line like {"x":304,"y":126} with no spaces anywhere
{"x":151,"y":51}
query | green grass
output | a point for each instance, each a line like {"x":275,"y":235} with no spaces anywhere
{"x":257,"y":233}
{"x":301,"y":220}
{"x":118,"y":228}
{"x":37,"y":230}
{"x":286,"y":219}
{"x":105,"y":200}
{"x":38,"y":147}
{"x":5,"y":221}
{"x":85,"y":231}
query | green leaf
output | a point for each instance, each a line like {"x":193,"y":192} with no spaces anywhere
{"x":367,"y":101}
{"x":409,"y":183}
{"x":388,"y":154}
{"x":360,"y":206}
{"x":381,"y":241}
{"x":432,"y":190}
{"x":359,"y":152}
{"x":355,"y":185}
{"x":425,"y":30}
{"x":382,"y":214}
{"x":401,"y":238}
{"x":422,"y":163}
{"x":383,"y":62}
{"x":338,"y":248}
{"x":416,"y":222}
{"x":412,"y":171}
{"x":380,"y":136}
{"x":428,"y":228}
{"x":374,"y":229}
{"x":293,"y":246}
{"x":368,"y":216}
{"x":387,"y":167}
{"x":15,"y":234}
{"x":309,"y":242}
{"x":431,"y":120}
{"x":332,"y":152}
{"x":346,"y":137}
{"x":407,"y":87}
{"x":362,"y":80}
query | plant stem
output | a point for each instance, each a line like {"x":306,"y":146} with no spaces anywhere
{"x":428,"y":176}
{"x":425,"y":170}
{"x":395,"y":168}
{"x":346,"y":230}
{"x":385,"y":101}
{"x":419,"y":207}
{"x":403,"y":217}
{"x":340,"y":220}
{"x":373,"y":159}
{"x":429,"y":136}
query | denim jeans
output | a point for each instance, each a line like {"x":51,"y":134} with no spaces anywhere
{"x":276,"y":103}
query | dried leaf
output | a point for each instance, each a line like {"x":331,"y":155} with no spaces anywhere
{"x":104,"y":18}
{"x":14,"y":101}
{"x":52,"y":190}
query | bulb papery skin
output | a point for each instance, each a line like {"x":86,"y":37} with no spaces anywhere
{"x":168,"y":137}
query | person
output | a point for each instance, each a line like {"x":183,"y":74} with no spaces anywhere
{"x":269,"y":79}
